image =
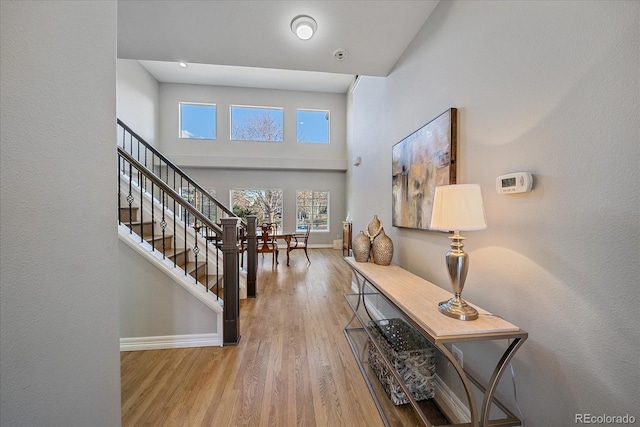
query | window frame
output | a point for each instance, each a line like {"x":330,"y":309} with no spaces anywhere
{"x":255,"y":107}
{"x":202,"y":104}
{"x":313,"y":198}
{"x":279,"y":221}
{"x":327,"y":112}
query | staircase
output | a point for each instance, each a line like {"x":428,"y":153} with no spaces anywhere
{"x":181,"y":257}
{"x":199,"y":249}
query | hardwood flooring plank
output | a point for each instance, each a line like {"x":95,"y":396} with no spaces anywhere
{"x":292,"y":367}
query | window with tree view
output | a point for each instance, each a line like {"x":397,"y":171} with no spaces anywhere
{"x":265,"y":204}
{"x":313,"y":126}
{"x":257,"y":123}
{"x":312,"y":210}
{"x":197,"y":121}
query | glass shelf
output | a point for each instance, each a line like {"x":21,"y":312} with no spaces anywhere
{"x":396,"y":415}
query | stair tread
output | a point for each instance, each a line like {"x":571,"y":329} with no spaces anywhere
{"x":191,"y":265}
{"x":157,"y":236}
{"x":212,"y":279}
{"x":179,"y":251}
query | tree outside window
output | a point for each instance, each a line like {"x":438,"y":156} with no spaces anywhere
{"x":312,"y":210}
{"x":257,"y":123}
{"x":265,"y":204}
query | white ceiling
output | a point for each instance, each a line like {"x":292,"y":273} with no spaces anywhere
{"x":229,"y":75}
{"x":217,"y":37}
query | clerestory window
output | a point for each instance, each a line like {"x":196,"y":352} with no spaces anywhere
{"x":257,"y":123}
{"x":197,"y":121}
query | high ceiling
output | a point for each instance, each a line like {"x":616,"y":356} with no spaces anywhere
{"x":215,"y":37}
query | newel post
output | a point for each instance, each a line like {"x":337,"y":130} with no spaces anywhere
{"x":231,"y":310}
{"x":252,"y":256}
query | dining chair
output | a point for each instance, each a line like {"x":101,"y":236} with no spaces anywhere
{"x":267,"y":243}
{"x":301,"y":241}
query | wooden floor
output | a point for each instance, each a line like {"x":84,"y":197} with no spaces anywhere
{"x":293,"y":366}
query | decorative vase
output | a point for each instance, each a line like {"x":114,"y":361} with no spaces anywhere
{"x":382,"y":249}
{"x":361,"y":247}
{"x":374,"y":227}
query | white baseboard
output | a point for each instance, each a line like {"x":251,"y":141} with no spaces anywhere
{"x":320,"y":246}
{"x":170,"y":341}
{"x":459,"y":409}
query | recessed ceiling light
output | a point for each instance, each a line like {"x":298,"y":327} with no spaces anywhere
{"x":303,"y":26}
{"x":182,"y":64}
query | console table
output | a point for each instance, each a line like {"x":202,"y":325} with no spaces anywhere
{"x":390,"y":291}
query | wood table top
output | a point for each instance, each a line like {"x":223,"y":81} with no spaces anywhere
{"x":419,"y":299}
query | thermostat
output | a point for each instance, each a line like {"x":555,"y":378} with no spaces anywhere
{"x":517,"y":182}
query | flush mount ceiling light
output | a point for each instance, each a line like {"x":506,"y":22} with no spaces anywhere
{"x":182,"y":64}
{"x":303,"y":26}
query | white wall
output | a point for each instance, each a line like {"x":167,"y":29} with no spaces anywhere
{"x":59,"y":351}
{"x":138,"y":99}
{"x":546,"y":87}
{"x":222,"y":164}
{"x":152,"y":304}
{"x":250,"y":154}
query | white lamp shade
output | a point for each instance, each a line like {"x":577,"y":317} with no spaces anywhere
{"x":458,"y":207}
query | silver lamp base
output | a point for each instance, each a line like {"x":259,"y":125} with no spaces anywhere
{"x":457,"y":308}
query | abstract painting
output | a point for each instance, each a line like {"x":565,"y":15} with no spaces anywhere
{"x":421,"y":162}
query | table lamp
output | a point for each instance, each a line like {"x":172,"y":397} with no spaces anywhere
{"x":458,"y":208}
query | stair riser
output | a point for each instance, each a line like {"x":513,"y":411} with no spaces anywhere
{"x":127,"y":215}
{"x":179,"y":258}
{"x":144,"y":229}
{"x":202,"y":273}
{"x":158,"y":242}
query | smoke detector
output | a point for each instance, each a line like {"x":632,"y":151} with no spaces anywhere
{"x":340,"y":54}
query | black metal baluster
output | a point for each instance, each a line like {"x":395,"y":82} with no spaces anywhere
{"x":196,"y":249}
{"x":153,"y":220}
{"x":175,"y":233}
{"x":174,"y":177}
{"x":141,"y":207}
{"x":206,"y":259}
{"x":163,"y":224}
{"x":184,"y":209}
{"x":130,"y":199}
{"x":179,"y":191}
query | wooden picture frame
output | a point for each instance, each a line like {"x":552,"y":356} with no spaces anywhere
{"x":421,"y":162}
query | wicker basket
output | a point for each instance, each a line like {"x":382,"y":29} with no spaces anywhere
{"x":410,"y":354}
